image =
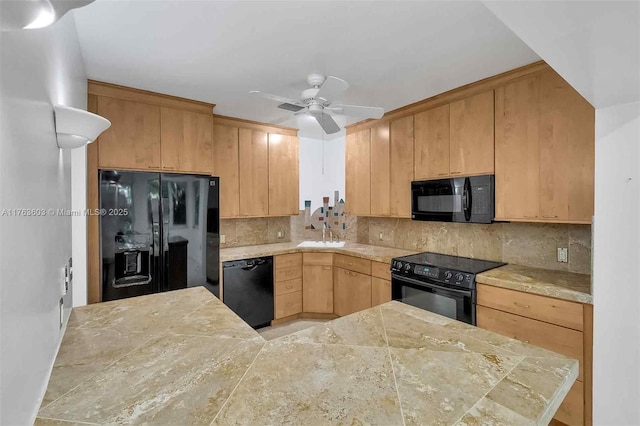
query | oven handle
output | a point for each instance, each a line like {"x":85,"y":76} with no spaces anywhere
{"x":430,"y":285}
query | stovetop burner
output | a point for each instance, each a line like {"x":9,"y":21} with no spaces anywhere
{"x":461,"y":264}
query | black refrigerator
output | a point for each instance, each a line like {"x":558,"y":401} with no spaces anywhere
{"x":158,"y":232}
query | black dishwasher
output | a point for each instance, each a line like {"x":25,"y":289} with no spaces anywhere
{"x":247,"y":288}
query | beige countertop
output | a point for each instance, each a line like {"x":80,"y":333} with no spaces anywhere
{"x":559,"y":284}
{"x":365,"y":251}
{"x":183,"y":357}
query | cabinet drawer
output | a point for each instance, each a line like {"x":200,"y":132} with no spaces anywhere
{"x":317,"y":259}
{"x":352,"y":263}
{"x":283,"y":287}
{"x":381,"y":270}
{"x":547,"y":309}
{"x":288,"y":304}
{"x":287,"y":260}
{"x":552,"y":337}
{"x":289,"y":273}
{"x":571,"y":412}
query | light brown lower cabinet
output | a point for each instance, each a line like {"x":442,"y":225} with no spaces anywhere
{"x":352,"y":291}
{"x":317,"y":293}
{"x":380,"y":291}
{"x":288,"y":304}
{"x":557,"y":325}
{"x":287,"y":285}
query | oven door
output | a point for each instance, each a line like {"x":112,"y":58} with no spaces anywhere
{"x":459,"y":305}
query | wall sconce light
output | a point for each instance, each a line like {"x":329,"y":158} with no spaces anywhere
{"x":76,"y":127}
{"x":31,"y":14}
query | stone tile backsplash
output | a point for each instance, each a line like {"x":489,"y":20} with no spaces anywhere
{"x":528,"y":244}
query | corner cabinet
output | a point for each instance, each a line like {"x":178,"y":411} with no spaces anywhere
{"x":545,"y":152}
{"x":258,"y":167}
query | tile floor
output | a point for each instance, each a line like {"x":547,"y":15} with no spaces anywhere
{"x":273,"y":332}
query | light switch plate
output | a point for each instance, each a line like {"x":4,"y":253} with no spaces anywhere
{"x":280,"y":233}
{"x":63,"y":281}
{"x":563,"y":255}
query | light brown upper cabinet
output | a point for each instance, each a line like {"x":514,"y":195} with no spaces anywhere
{"x":401,"y":147}
{"x":472,"y":135}
{"x":358,"y":173}
{"x":226,"y":166}
{"x":187,"y":141}
{"x":254,"y":173}
{"x":380,"y":171}
{"x":567,"y":152}
{"x":544,"y":152}
{"x":133,"y":140}
{"x":517,"y":150}
{"x":431,"y":129}
{"x":283,"y":175}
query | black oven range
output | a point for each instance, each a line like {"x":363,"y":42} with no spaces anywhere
{"x":439,"y":283}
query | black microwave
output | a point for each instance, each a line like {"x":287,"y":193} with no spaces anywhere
{"x":461,"y":199}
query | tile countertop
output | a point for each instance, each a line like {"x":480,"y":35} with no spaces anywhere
{"x":183,"y":357}
{"x":559,"y":284}
{"x":365,"y":251}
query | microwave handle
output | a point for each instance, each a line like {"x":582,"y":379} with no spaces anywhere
{"x":466,"y":199}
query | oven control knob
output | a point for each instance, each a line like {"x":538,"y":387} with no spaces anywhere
{"x":459,"y":277}
{"x":448,"y":275}
{"x":407,"y":267}
{"x":397,"y":265}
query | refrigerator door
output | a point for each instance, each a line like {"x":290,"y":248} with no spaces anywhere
{"x":130,"y":233}
{"x":189,"y":250}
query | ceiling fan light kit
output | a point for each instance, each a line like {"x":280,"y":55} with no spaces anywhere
{"x":317,"y":101}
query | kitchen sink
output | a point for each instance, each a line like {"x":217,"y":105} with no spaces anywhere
{"x":326,"y":244}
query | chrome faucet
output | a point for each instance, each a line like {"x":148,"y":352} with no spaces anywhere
{"x":324,"y":232}
{"x":331,"y":235}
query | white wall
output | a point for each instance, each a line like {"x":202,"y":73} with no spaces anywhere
{"x":315,"y":182}
{"x":79,"y":225}
{"x":39,"y":68}
{"x":616,"y":267}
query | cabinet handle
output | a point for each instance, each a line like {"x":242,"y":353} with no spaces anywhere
{"x":455,"y":173}
{"x":530,"y":217}
{"x":153,"y":167}
{"x":549,"y":217}
{"x":526,"y":341}
{"x":327,"y":268}
{"x":442,"y":174}
{"x":522,"y":306}
{"x":289,"y":286}
{"x":169,"y":168}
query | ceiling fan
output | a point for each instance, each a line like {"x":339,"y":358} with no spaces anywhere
{"x":317,"y":101}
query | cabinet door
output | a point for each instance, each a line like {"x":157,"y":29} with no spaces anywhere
{"x":283,"y":175}
{"x":133,"y":140}
{"x":566,"y":152}
{"x":187,"y":141}
{"x":380,"y":171}
{"x":352,"y":292}
{"x":517,"y":150}
{"x":380,"y":291}
{"x":254,"y":173}
{"x":432,"y":143}
{"x":358,"y":173}
{"x":225,"y":165}
{"x":401,"y":146}
{"x":471,"y":132}
{"x":317,"y":289}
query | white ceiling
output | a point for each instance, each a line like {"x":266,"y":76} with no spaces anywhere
{"x":392,"y":53}
{"x":594,"y":45}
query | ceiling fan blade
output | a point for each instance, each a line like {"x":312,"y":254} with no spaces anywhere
{"x":276,"y":98}
{"x":327,"y":123}
{"x":332,"y":88}
{"x":358,"y":111}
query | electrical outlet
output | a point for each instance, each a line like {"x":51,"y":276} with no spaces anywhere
{"x":280,"y":233}
{"x":380,"y":236}
{"x":63,"y":281}
{"x":563,"y":255}
{"x":223,"y":238}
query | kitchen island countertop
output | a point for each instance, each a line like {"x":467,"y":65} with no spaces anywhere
{"x":182,"y":357}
